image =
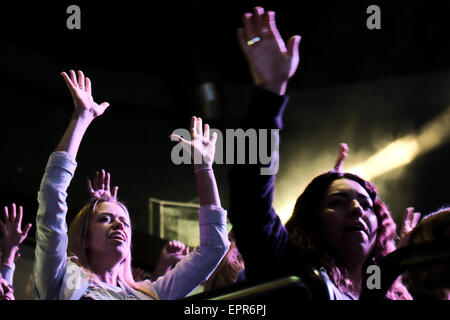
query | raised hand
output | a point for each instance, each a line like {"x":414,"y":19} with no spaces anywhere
{"x":339,"y":165}
{"x":272,"y":63}
{"x":81,"y":91}
{"x":13,"y":235}
{"x":99,"y":188}
{"x":201,"y":147}
{"x":410,"y":220}
{"x":173,"y":252}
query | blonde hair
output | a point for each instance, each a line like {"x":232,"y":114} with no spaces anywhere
{"x":77,"y":246}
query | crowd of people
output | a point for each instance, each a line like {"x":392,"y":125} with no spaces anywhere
{"x":339,"y":225}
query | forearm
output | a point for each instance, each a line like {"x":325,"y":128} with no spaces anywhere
{"x":248,"y":187}
{"x":207,"y":187}
{"x":9,"y":254}
{"x":71,"y":140}
{"x":194,"y":269}
{"x":255,"y":222}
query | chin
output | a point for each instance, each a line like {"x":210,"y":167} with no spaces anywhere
{"x":359,"y":250}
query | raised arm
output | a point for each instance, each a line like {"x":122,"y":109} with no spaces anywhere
{"x":13,"y":236}
{"x":202,"y":149}
{"x":51,"y":227}
{"x":194,"y":269}
{"x":260,"y":236}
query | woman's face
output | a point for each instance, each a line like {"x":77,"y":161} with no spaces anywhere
{"x":109,"y":234}
{"x":348,"y":221}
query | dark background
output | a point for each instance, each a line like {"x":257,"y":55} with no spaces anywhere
{"x":148,"y":60}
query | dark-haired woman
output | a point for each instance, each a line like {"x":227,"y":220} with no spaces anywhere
{"x":339,"y":224}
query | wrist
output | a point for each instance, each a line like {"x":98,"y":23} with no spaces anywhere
{"x":202,"y":168}
{"x":9,"y":255}
{"x":278,"y":88}
{"x":83,"y":116}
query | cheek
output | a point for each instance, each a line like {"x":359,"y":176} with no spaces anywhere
{"x":331,"y":221}
{"x":95,"y":234}
{"x":372,"y":221}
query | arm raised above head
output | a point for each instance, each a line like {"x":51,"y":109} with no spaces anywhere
{"x":260,"y":235}
{"x":51,"y":226}
{"x":194,"y":269}
{"x":202,"y":149}
{"x":13,"y":236}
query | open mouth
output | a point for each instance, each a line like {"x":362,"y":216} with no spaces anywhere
{"x":357,"y":227}
{"x":118,"y":236}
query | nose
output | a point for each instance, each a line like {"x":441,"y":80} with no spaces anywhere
{"x":356,"y":208}
{"x":118,"y":225}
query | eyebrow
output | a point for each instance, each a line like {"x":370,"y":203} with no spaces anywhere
{"x":346,"y":195}
{"x":112,"y":214}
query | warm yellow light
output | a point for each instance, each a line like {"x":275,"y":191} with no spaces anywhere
{"x":394,"y":155}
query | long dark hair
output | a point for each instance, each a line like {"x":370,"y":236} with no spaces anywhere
{"x":304,"y":228}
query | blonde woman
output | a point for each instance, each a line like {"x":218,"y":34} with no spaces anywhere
{"x":93,"y":261}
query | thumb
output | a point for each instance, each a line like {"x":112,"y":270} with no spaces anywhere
{"x":292,"y":46}
{"x":115,"y":190}
{"x":185,"y":144}
{"x":25,"y":232}
{"x":104,"y":105}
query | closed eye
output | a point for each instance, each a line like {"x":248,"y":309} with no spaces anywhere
{"x":337,"y":202}
{"x":104,"y":219}
{"x":366,"y":206}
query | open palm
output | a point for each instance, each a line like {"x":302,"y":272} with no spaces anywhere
{"x":271,"y":62}
{"x":81,"y":91}
{"x":201,"y":147}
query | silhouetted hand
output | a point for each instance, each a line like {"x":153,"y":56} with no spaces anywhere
{"x":410,"y":220}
